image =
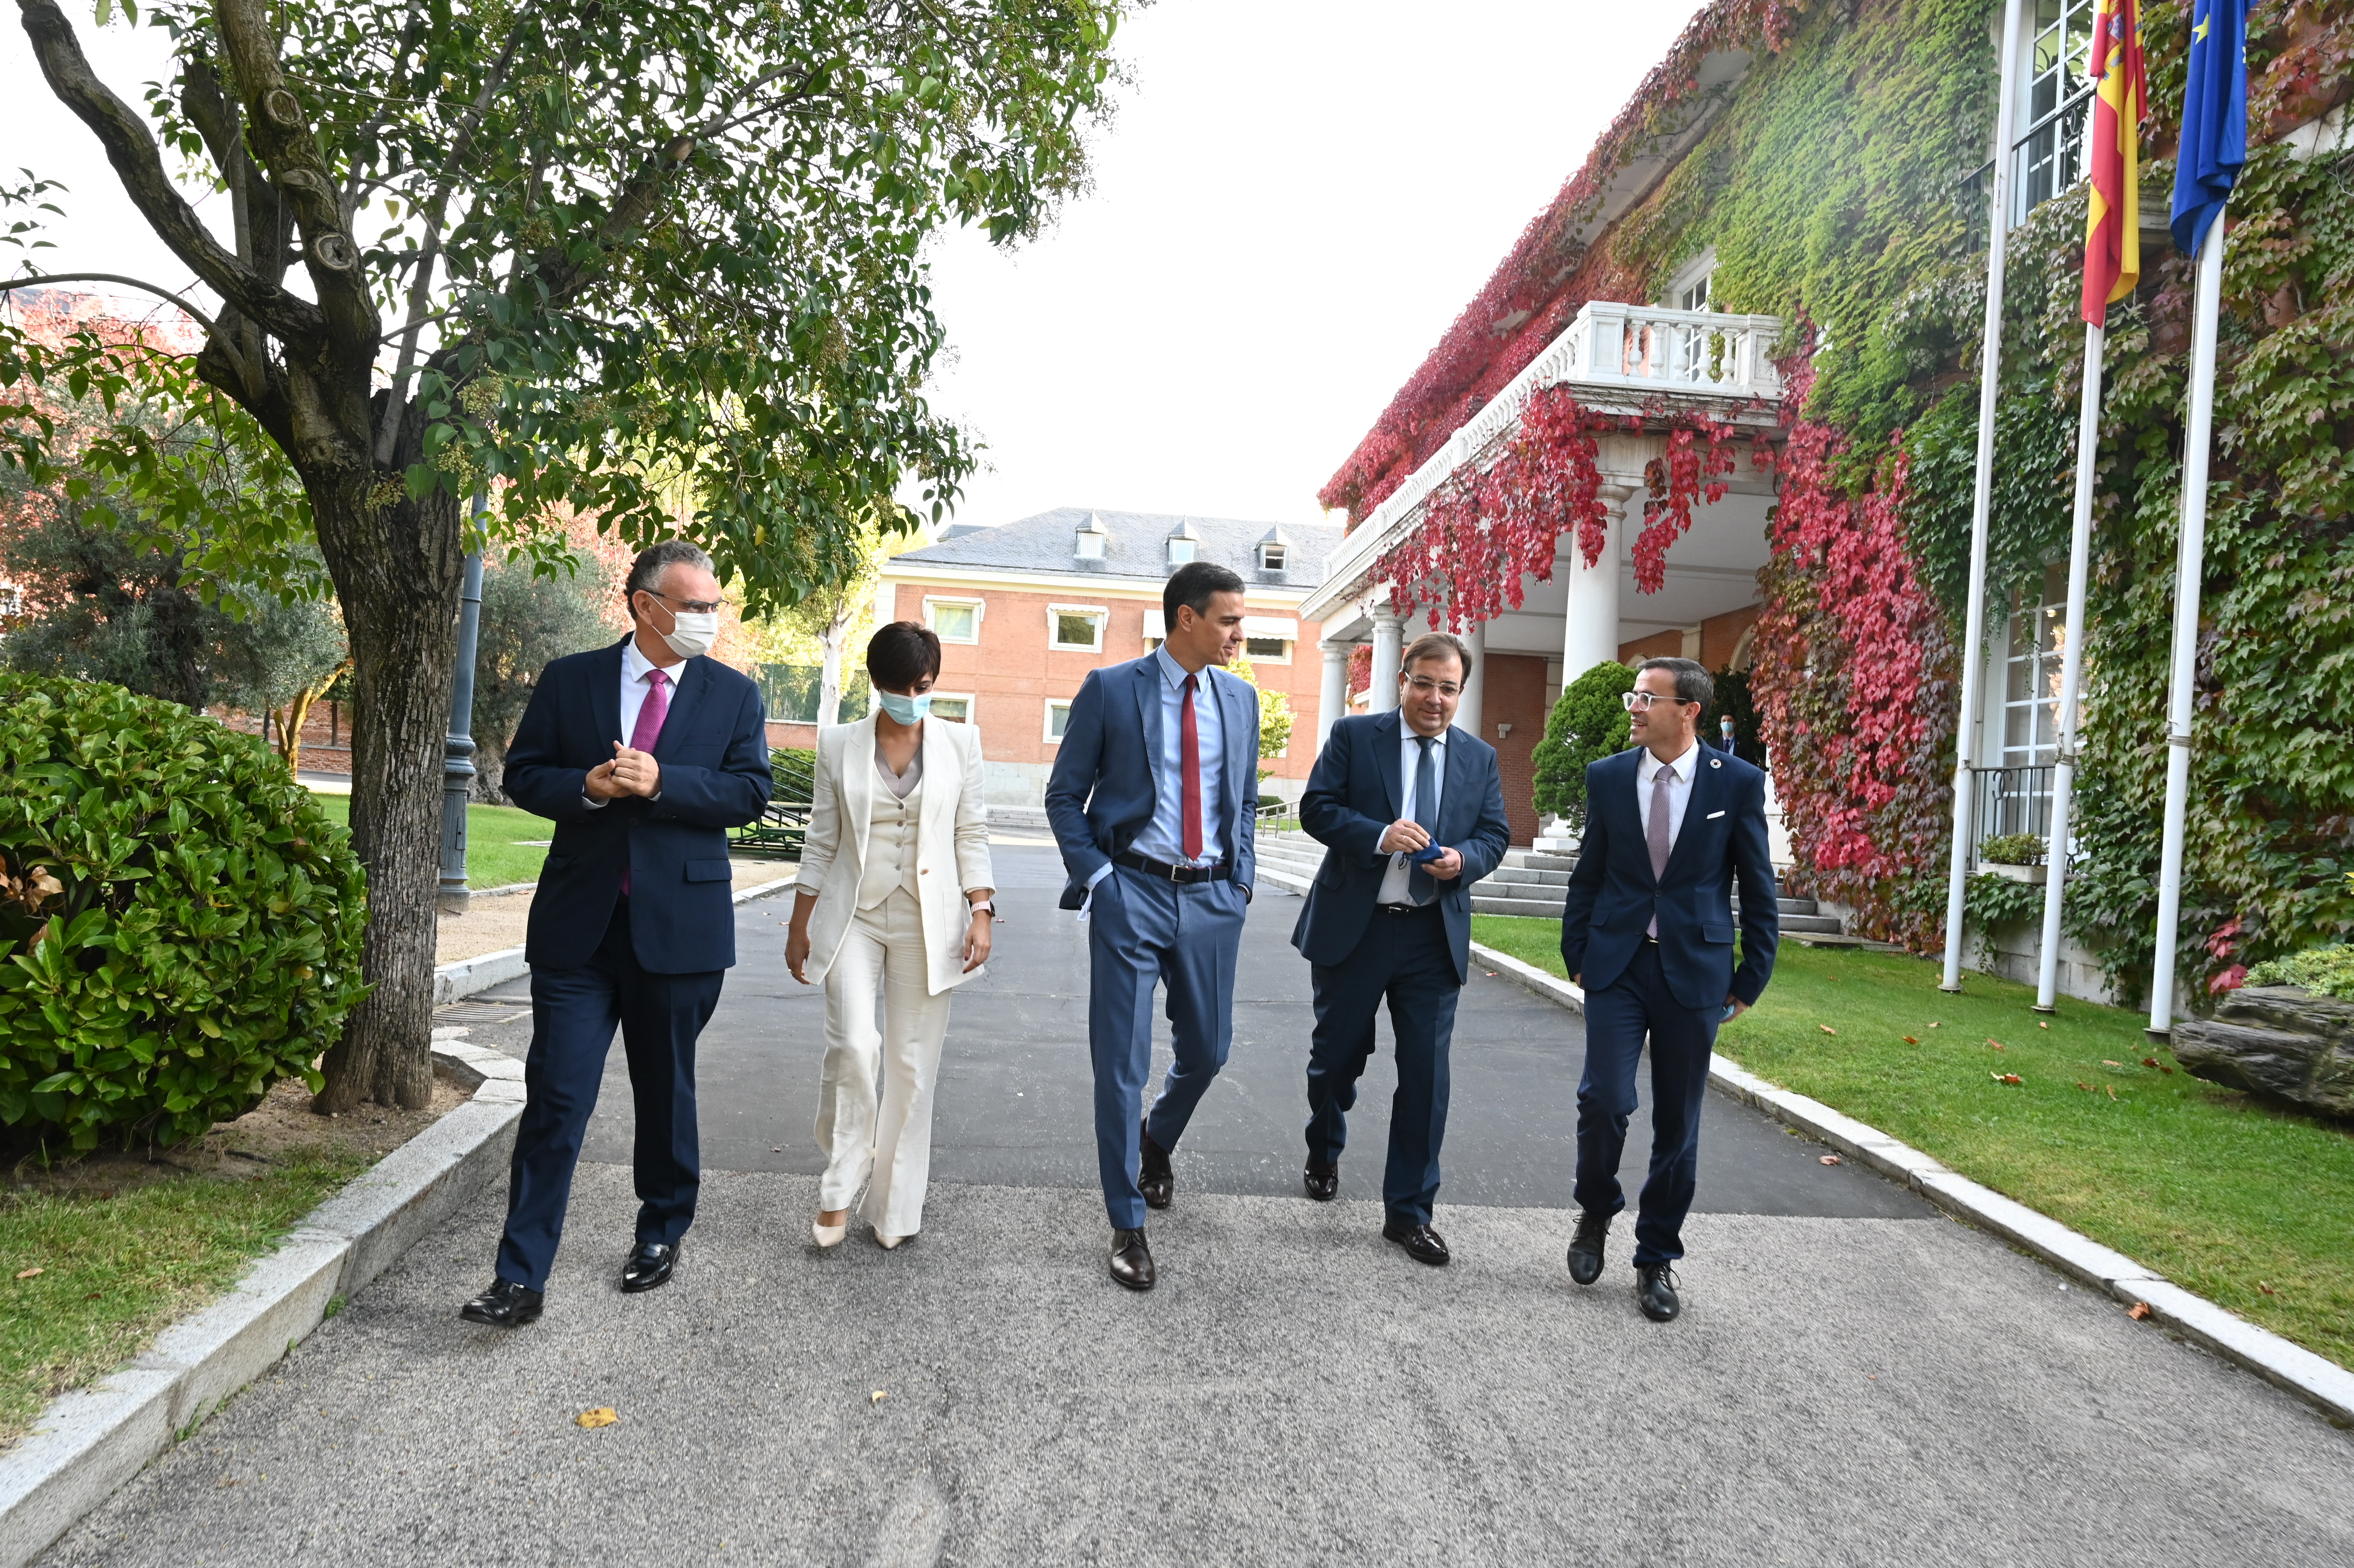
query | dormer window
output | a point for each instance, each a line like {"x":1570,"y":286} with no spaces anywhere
{"x":1091,"y":539}
{"x":1271,"y":557}
{"x":1184,"y":545}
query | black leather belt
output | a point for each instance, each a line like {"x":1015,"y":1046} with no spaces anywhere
{"x":1161,"y":869}
{"x":1430,"y":908}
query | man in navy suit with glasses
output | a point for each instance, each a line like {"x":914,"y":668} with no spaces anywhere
{"x":1647,"y":929}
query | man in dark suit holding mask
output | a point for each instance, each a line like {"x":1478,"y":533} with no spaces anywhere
{"x":1647,"y":929}
{"x":644,"y":754}
{"x":1386,"y":919}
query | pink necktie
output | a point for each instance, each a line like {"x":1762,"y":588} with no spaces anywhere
{"x":1656,"y":832}
{"x":648,"y":730}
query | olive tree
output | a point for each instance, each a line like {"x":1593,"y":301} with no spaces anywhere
{"x":582,"y":253}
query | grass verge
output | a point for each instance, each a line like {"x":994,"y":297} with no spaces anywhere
{"x":88,"y":1279}
{"x":2248,"y":1204}
{"x":498,"y":847}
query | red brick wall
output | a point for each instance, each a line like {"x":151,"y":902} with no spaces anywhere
{"x":1514,"y":693}
{"x":1012,"y":672}
{"x":1720,"y":634}
{"x":1658,"y":645}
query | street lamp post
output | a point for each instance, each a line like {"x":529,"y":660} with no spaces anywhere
{"x":458,"y":759}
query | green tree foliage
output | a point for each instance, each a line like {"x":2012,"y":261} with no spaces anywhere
{"x":180,"y":924}
{"x":608,"y":256}
{"x":98,"y":607}
{"x":529,"y":618}
{"x":1275,"y":716}
{"x":1588,"y":723}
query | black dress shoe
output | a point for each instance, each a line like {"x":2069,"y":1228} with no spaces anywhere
{"x":1655,"y":1288}
{"x":1131,"y":1260}
{"x":1323,"y":1180}
{"x":649,"y":1267}
{"x":1154,"y":1177}
{"x":505,"y":1304}
{"x":1421,"y":1242}
{"x":1585,"y":1247}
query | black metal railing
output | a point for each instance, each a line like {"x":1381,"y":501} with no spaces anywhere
{"x":781,"y":830}
{"x":2010,"y":800}
{"x":2046,"y":160}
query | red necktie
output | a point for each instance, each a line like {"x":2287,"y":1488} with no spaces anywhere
{"x":1189,"y":764}
{"x":648,"y":730}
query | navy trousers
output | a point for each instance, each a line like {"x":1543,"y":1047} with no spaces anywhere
{"x":1405,"y":959}
{"x":573,"y":1012}
{"x":1142,"y":931}
{"x":1638,"y":1002}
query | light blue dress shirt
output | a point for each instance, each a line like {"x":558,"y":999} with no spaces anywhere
{"x":1163,"y":838}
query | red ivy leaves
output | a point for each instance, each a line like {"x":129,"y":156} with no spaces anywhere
{"x":1361,"y":668}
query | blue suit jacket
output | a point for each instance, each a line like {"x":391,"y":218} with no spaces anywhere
{"x":714,"y":752}
{"x":1101,"y":795}
{"x":1613,"y":894}
{"x":1355,"y":792}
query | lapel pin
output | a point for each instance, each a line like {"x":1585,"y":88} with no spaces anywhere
{"x":1713,"y":762}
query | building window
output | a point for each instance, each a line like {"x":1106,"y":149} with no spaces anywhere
{"x":954,"y":706}
{"x":1269,"y":647}
{"x":1182,"y":551}
{"x":2053,"y":118}
{"x":954,"y":619}
{"x":2030,"y":688}
{"x":1694,"y":296}
{"x":1078,"y":627}
{"x":1272,"y":558}
{"x":1091,"y":546}
{"x":1058,"y":719}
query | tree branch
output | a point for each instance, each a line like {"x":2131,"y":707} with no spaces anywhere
{"x":7,"y":284}
{"x":131,"y":148}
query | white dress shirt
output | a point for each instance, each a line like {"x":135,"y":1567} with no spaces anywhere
{"x":1397,"y":884}
{"x":1647,"y":771}
{"x":634,"y":686}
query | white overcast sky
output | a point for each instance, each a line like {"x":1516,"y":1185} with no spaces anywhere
{"x":1293,"y":202}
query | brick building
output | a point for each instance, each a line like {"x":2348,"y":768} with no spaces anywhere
{"x":1025,"y":609}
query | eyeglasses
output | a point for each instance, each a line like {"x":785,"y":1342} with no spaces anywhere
{"x":691,"y":606}
{"x":1423,"y":685}
{"x":1640,"y":702}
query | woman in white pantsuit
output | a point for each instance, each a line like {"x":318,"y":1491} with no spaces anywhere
{"x":897,"y":814}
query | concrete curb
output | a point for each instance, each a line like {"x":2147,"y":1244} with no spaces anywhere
{"x":90,"y":1442}
{"x":2319,"y":1381}
{"x":458,"y":980}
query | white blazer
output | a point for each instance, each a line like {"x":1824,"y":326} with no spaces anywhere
{"x":951,"y":842}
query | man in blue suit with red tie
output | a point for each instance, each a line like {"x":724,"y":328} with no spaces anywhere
{"x":1647,"y":929}
{"x":1153,"y":799}
{"x":644,"y":754}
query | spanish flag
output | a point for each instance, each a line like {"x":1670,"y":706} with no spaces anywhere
{"x":2113,"y":153}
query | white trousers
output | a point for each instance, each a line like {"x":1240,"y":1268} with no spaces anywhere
{"x":861,"y":1130}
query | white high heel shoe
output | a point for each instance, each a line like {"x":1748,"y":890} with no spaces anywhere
{"x":887,"y":1242}
{"x":829,"y":1236}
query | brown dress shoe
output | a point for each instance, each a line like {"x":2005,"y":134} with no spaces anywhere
{"x":1131,"y":1260}
{"x":1154,"y":1177}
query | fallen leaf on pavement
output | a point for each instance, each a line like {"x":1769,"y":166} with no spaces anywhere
{"x":603,"y":1415}
{"x":2140,"y":1310}
{"x":30,"y":1272}
{"x":1826,"y":1029}
{"x":1832,"y":1160}
{"x":878,"y":1396}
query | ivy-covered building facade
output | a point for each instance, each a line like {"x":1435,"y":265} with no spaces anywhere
{"x":1721,"y":400}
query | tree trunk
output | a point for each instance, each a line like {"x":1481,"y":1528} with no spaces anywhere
{"x":829,"y":680}
{"x":491,"y":771}
{"x":397,"y":569}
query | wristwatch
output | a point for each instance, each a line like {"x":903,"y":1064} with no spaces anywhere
{"x":988,"y":905}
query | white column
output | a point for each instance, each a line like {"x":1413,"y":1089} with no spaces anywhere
{"x":1589,"y":631}
{"x":1475,"y":685}
{"x":1332,"y":700}
{"x":1389,"y":646}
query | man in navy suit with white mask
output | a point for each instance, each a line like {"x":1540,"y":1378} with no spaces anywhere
{"x":644,"y":753}
{"x":1647,"y":929}
{"x":1411,"y":813}
{"x":1153,"y":798}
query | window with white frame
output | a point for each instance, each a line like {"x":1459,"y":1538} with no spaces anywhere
{"x":1182,"y":550}
{"x":1274,"y":557}
{"x":953,"y":619}
{"x":2053,"y":116}
{"x":954,"y":706}
{"x":1077,"y":627}
{"x":2031,"y":686}
{"x":1272,"y":649}
{"x":1058,"y":719}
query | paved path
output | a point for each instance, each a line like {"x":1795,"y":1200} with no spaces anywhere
{"x":1854,"y":1379}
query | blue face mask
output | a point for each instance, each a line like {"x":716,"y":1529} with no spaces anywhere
{"x":906,"y":710}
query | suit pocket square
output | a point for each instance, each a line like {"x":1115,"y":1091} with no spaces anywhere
{"x":1713,"y":816}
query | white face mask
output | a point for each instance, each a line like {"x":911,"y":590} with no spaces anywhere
{"x":693,"y":635}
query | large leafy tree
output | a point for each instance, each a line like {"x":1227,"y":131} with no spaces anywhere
{"x":599,"y":254}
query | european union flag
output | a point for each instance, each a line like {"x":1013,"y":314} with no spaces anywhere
{"x":2215,"y":118}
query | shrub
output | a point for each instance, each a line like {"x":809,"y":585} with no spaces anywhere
{"x":1588,"y":724}
{"x":2328,"y":972}
{"x":2012,"y":849}
{"x":179,"y":922}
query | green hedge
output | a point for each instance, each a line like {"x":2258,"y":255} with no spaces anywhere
{"x":179,"y":923}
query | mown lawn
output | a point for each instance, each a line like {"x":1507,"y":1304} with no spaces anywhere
{"x":86,"y":1280}
{"x":2251,"y":1207}
{"x":499,"y":847}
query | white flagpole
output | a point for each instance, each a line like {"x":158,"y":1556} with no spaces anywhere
{"x":1981,"y":498}
{"x":2072,"y":672}
{"x":2188,"y":568}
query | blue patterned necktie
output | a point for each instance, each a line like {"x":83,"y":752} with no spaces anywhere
{"x":1420,"y":884}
